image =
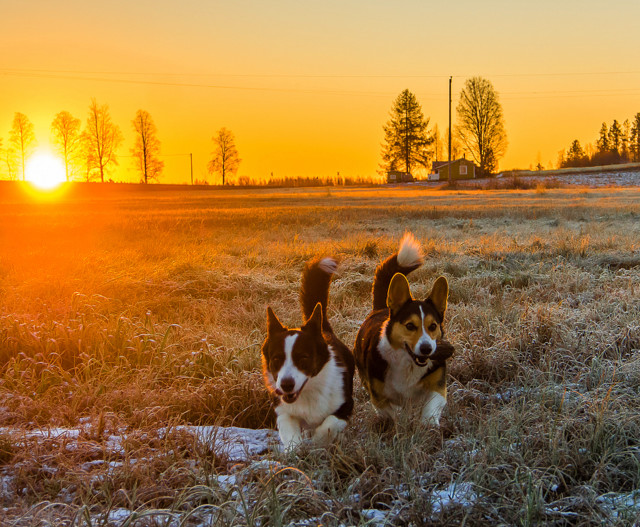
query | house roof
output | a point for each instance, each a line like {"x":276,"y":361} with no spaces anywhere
{"x":440,"y":164}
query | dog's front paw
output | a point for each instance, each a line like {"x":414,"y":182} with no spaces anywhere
{"x":330,"y":428}
{"x":290,"y":432}
{"x":433,"y":409}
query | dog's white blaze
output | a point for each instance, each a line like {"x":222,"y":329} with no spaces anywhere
{"x":288,"y":369}
{"x":425,"y":337}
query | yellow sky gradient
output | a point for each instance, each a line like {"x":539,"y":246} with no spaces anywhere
{"x":307,"y":86}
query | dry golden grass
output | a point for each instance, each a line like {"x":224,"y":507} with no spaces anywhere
{"x":141,"y":310}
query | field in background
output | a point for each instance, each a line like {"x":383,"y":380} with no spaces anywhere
{"x":129,"y":314}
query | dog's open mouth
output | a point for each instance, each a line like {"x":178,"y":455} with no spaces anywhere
{"x":291,"y":398}
{"x":419,"y":361}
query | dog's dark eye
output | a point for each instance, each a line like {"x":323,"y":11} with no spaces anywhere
{"x":411,"y":326}
{"x":433,"y":327}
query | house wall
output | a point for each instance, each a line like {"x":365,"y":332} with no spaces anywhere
{"x":444,"y":171}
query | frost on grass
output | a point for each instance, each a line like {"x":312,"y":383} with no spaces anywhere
{"x":620,"y":505}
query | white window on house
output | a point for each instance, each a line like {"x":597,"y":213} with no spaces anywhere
{"x":463,"y":170}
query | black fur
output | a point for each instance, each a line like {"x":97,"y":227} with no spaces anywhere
{"x":382,"y":279}
{"x":314,"y":289}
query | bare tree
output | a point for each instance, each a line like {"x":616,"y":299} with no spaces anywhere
{"x":480,"y":123}
{"x":102,"y":139}
{"x":225,"y":160}
{"x":22,"y":138}
{"x":147,"y":147}
{"x":66,"y":133}
{"x":8,"y":159}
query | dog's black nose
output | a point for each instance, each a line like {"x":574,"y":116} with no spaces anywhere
{"x":287,"y":384}
{"x":425,"y":349}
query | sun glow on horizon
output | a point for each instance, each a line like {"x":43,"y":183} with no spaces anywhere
{"x":45,"y":171}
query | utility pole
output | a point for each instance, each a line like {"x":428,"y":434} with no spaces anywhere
{"x":449,"y":170}
{"x":191,"y":158}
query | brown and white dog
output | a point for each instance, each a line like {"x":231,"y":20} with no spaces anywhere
{"x":400,"y":352}
{"x":309,"y":369}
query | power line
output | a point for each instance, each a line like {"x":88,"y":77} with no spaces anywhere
{"x":425,"y":96}
{"x":320,"y":76}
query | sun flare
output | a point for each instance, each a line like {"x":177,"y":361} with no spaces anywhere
{"x":45,"y":170}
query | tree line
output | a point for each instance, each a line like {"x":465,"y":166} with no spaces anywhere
{"x":90,"y":154}
{"x":616,"y":144}
{"x":409,"y":144}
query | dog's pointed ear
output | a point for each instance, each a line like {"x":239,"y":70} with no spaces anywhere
{"x":314,"y":324}
{"x":399,"y":293}
{"x":439,"y":294}
{"x":273,"y":324}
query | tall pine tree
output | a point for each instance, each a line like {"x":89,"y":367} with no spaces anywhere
{"x":407,"y":140}
{"x":615,"y":137}
{"x":634,"y":140}
{"x":603,"y":141}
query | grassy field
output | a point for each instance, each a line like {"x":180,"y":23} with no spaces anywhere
{"x":126,"y":315}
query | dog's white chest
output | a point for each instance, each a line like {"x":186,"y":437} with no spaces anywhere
{"x":403,"y":376}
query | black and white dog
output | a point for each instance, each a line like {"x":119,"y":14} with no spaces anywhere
{"x":309,"y":369}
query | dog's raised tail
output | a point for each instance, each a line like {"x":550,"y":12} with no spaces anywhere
{"x":407,"y":259}
{"x":316,"y":280}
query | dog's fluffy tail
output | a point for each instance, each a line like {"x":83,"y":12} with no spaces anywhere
{"x":407,"y":259}
{"x":316,"y":279}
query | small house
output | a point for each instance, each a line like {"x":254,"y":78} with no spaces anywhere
{"x":395,"y":176}
{"x":460,"y":169}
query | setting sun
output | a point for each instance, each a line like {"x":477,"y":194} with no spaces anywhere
{"x":45,"y":170}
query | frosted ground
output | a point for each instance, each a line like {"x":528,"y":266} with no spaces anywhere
{"x":125,"y":322}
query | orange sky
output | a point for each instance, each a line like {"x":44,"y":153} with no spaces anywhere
{"x":306,"y":86}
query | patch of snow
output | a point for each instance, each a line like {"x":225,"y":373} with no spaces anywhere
{"x":226,"y":482}
{"x":236,"y":444}
{"x":375,"y":516}
{"x":455,"y":494}
{"x":616,"y":503}
{"x":7,"y":487}
{"x":44,"y":433}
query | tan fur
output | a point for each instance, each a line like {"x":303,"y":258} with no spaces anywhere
{"x":376,"y":390}
{"x":400,"y":334}
{"x":436,"y":382}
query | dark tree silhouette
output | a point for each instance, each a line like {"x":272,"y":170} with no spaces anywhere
{"x":407,"y":141}
{"x":101,"y":139}
{"x":615,"y":137}
{"x":67,"y":136}
{"x":576,"y":156}
{"x":22,"y":138}
{"x":147,"y":146}
{"x":603,"y":142}
{"x":480,"y":124}
{"x":225,"y":160}
{"x":634,"y":139}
